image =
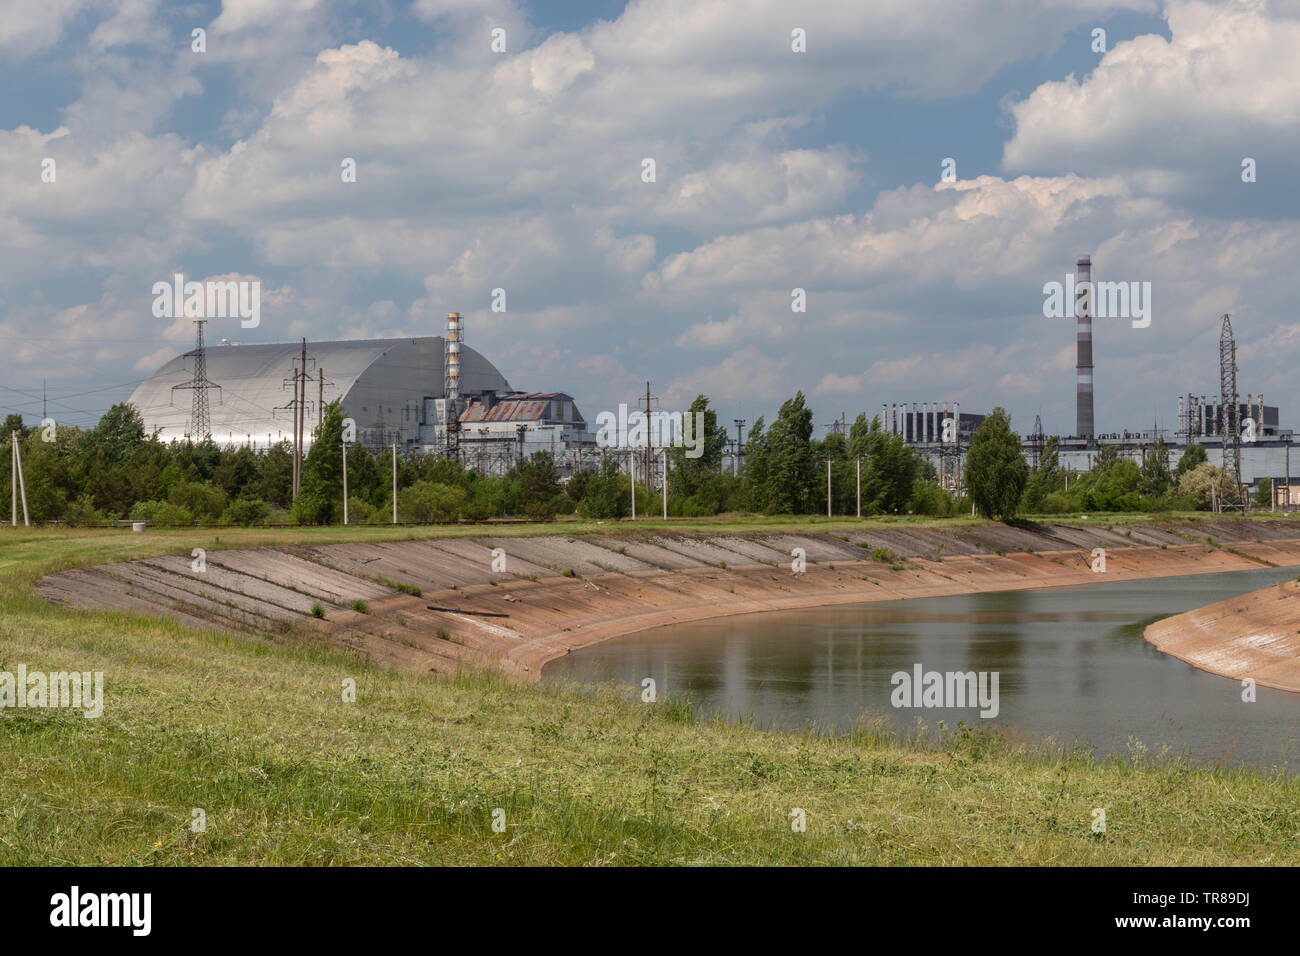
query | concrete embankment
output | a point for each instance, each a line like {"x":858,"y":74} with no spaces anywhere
{"x":1254,"y":635}
{"x":559,"y":593}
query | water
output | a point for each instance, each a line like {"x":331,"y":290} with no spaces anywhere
{"x":1072,"y":664}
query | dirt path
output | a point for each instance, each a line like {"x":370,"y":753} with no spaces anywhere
{"x":560,"y":593}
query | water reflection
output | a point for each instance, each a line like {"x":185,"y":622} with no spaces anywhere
{"x":1071,"y":664}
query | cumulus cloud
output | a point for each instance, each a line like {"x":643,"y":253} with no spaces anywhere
{"x":1176,"y":116}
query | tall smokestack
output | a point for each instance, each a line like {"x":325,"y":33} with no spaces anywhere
{"x":451,"y":378}
{"x":1083,"y":324}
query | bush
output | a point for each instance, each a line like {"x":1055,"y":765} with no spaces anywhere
{"x":204,"y":501}
{"x":929,"y":499}
{"x":83,"y":512}
{"x":359,"y":511}
{"x":1056,"y":504}
{"x":246,"y":512}
{"x":162,"y":513}
{"x":428,"y":501}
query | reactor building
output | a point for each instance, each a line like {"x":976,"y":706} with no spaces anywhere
{"x":402,"y":392}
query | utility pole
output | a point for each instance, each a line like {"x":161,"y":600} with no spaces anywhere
{"x":17,"y":483}
{"x":665,"y":454}
{"x":631,"y":470}
{"x":394,"y":482}
{"x":828,"y":487}
{"x":302,"y":411}
{"x":740,"y":443}
{"x":859,"y":487}
{"x":649,"y":434}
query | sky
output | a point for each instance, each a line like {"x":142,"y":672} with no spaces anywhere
{"x":523,"y":168}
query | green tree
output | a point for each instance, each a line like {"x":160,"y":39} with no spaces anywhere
{"x":321,"y":498}
{"x":1264,"y":493}
{"x":1156,"y":476}
{"x":1193,"y":455}
{"x":996,"y":472}
{"x":756,"y":455}
{"x":690,"y":475}
{"x":540,"y":482}
{"x":1044,"y":480}
{"x":608,"y":492}
{"x":790,"y":469}
{"x":428,"y":501}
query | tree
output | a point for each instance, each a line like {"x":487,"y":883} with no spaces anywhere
{"x":1193,"y":455}
{"x":1156,"y":477}
{"x":429,"y":501}
{"x":540,"y":482}
{"x":995,"y":471}
{"x":889,"y":473}
{"x":1044,"y":480}
{"x":1264,"y":493}
{"x":1203,"y":485}
{"x":321,"y":499}
{"x":608,"y":492}
{"x":754,"y":493}
{"x":788,"y":488}
{"x":690,"y":475}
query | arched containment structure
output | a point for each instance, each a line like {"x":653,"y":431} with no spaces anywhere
{"x":392,"y":388}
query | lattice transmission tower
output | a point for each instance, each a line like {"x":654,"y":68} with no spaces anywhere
{"x":200,"y":419}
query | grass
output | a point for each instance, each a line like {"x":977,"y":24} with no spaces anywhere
{"x":258,"y":734}
{"x":405,"y":587}
{"x":360,"y":606}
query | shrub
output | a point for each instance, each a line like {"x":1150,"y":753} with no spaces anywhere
{"x":204,"y":501}
{"x":317,"y":610}
{"x":162,"y":513}
{"x":246,"y":512}
{"x":83,"y":512}
{"x":359,"y":510}
{"x":427,"y":501}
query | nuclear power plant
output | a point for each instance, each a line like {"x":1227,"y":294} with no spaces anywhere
{"x":428,"y":395}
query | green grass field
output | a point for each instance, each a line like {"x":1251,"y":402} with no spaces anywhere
{"x":258,"y":736}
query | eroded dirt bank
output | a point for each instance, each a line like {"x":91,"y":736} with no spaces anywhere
{"x":623,"y":582}
{"x":1254,"y":635}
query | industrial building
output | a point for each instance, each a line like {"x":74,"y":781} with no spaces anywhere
{"x":399,"y":392}
{"x":1201,"y":417}
{"x":922,"y":423}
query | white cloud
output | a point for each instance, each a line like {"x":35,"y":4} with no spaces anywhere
{"x":1178,"y":115}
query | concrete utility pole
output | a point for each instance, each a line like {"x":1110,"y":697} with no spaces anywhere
{"x":394,"y":482}
{"x":828,"y":487}
{"x":345,"y":482}
{"x":631,"y":470}
{"x":17,"y":483}
{"x":859,"y":487}
{"x":665,"y":454}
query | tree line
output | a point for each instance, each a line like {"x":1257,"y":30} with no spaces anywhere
{"x":115,"y":471}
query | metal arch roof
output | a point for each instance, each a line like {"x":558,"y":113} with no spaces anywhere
{"x":255,"y":392}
